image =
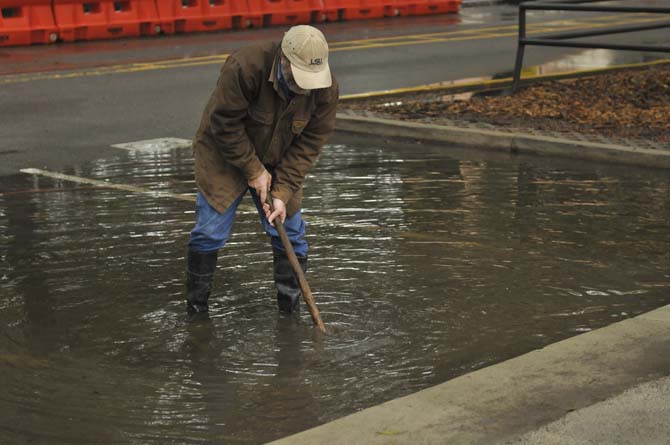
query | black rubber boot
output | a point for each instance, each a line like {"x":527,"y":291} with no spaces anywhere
{"x":199,"y":273}
{"x":288,"y":290}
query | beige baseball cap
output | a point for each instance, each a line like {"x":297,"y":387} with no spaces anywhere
{"x":307,"y":50}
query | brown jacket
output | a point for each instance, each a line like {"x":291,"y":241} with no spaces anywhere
{"x":248,"y":124}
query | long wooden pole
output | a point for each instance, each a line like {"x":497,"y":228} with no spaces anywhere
{"x":300,"y":275}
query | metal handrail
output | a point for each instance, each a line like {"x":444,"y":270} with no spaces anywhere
{"x":560,"y":39}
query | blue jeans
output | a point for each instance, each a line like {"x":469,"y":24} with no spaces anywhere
{"x":212,"y":229}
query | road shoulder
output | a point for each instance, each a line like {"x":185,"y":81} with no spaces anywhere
{"x":504,"y":401}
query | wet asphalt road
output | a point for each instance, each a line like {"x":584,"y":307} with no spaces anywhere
{"x":466,"y":259}
{"x":58,"y":118}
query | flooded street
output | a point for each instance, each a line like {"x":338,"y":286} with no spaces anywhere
{"x":426,"y":262}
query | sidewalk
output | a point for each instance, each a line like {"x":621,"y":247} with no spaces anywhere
{"x":606,"y":386}
{"x":638,"y":416}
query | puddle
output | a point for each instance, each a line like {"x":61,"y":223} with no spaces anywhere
{"x":426,"y":263}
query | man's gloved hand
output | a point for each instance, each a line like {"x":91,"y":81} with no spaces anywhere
{"x":261,"y":184}
{"x":279,"y":211}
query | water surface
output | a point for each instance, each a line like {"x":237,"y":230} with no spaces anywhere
{"x":427,"y":262}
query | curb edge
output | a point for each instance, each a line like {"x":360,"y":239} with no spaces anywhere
{"x":515,"y":143}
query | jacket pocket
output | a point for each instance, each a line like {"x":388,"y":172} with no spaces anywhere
{"x":258,"y":126}
{"x":261,"y":116}
{"x":298,"y":125}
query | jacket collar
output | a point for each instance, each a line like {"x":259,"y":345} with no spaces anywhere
{"x":275,"y":82}
{"x":273,"y":74}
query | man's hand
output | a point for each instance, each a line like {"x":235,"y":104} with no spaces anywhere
{"x":261,"y":184}
{"x":279,"y":211}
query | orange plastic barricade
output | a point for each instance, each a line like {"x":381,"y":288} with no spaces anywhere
{"x":424,"y":7}
{"x":354,"y":9}
{"x":284,"y":12}
{"x":202,"y":15}
{"x":23,"y":22}
{"x":105,"y":19}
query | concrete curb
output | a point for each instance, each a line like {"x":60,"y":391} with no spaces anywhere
{"x":504,"y":401}
{"x":503,"y":141}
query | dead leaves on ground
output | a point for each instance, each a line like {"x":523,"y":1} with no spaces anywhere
{"x":631,"y":104}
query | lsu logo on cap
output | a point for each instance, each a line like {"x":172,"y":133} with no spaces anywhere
{"x":316,"y":61}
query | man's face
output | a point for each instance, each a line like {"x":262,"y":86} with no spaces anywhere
{"x":288,"y":76}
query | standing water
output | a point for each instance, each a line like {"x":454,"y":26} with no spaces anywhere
{"x":427,"y":262}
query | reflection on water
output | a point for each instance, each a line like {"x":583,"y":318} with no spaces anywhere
{"x":426,"y":263}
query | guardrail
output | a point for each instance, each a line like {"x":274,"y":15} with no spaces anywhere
{"x":26,"y":22}
{"x":563,"y":39}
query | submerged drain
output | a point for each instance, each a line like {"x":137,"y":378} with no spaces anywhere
{"x":160,"y":144}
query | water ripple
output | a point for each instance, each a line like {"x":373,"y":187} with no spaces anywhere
{"x":424,"y":266}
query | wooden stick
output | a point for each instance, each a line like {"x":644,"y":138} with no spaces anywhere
{"x":300,"y":275}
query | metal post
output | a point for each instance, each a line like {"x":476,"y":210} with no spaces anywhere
{"x":520,"y":47}
{"x":564,"y":39}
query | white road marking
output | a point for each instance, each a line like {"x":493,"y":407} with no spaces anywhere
{"x":161,"y":194}
{"x":109,"y":185}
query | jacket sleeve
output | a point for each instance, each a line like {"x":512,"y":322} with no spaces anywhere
{"x":300,"y":156}
{"x":228,"y":108}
